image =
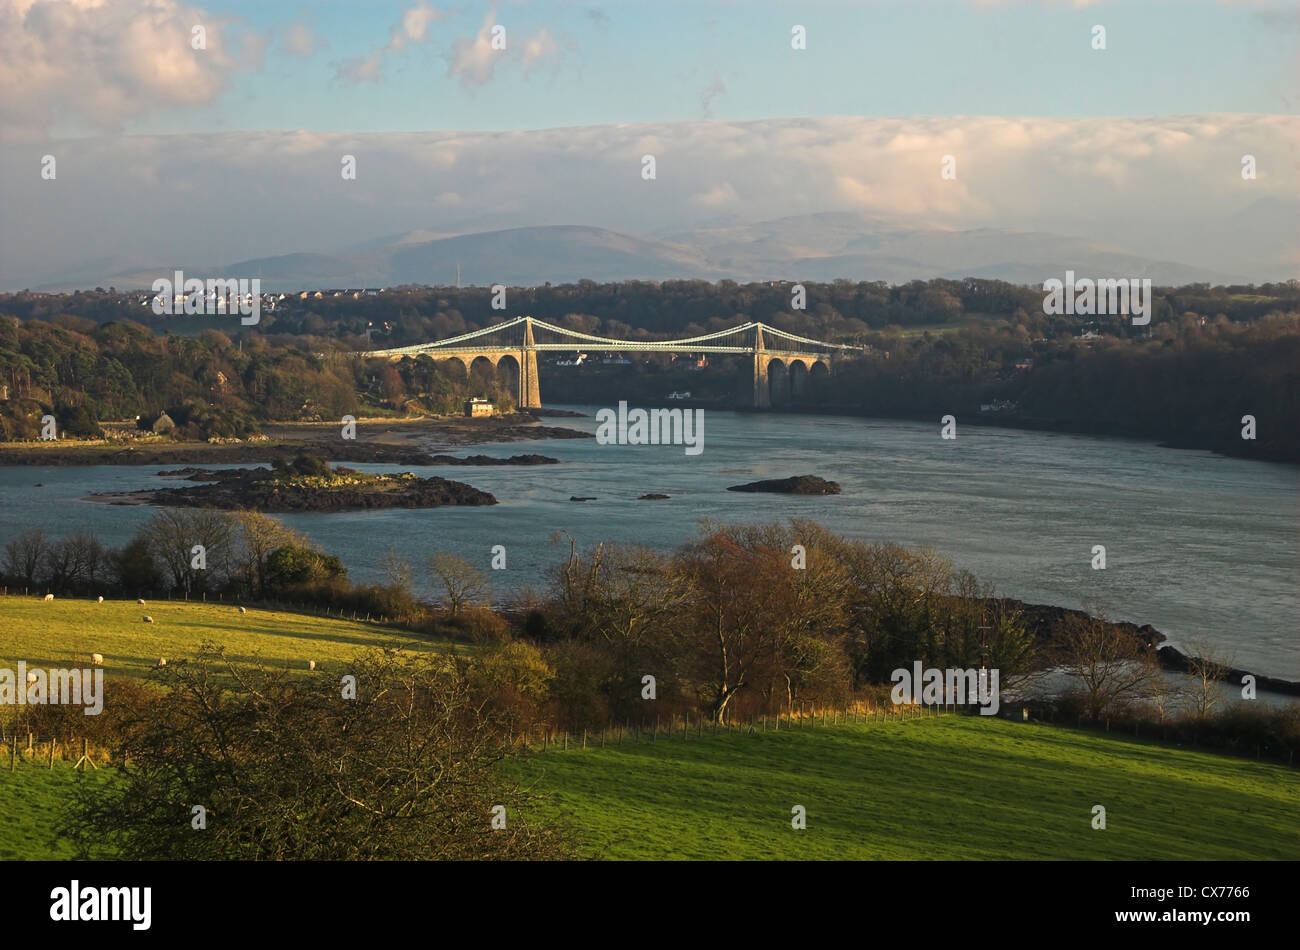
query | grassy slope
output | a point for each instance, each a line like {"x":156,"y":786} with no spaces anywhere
{"x":948,"y":788}
{"x":30,"y":802}
{"x":66,"y":632}
{"x":955,"y":787}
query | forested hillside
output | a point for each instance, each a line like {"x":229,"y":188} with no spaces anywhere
{"x":1209,"y":357}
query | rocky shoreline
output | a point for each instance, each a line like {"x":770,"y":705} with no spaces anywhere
{"x":275,"y":493}
{"x":383,"y":441}
{"x":1043,"y":619}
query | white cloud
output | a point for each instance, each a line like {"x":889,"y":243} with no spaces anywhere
{"x":474,"y":61}
{"x":299,"y":40}
{"x":89,"y":65}
{"x":413,"y":29}
{"x":538,"y":48}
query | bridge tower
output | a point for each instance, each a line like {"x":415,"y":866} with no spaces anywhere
{"x":762,"y":391}
{"x":530,"y":392}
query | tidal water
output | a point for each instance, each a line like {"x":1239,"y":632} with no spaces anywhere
{"x":1204,"y":548}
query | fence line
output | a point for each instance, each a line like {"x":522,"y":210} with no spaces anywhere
{"x":686,"y":727}
{"x":42,"y":751}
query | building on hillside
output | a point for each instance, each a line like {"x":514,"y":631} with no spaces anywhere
{"x":163,"y":424}
{"x":475,"y":407}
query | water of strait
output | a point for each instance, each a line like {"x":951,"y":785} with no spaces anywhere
{"x":1203,"y":547}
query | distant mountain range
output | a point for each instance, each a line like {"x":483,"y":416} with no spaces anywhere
{"x":819,"y":247}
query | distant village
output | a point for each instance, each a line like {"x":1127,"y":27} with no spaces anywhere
{"x":228,"y":302}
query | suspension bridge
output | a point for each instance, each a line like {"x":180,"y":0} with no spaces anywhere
{"x":782,"y":361}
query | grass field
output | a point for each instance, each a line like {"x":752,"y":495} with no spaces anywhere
{"x":31,"y":801}
{"x":64,"y":633}
{"x":951,"y":787}
{"x":947,"y":788}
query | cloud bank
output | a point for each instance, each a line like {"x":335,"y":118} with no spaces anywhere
{"x":1168,"y":187}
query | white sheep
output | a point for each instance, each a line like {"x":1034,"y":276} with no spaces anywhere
{"x":97,"y":659}
{"x":162,"y":661}
{"x":140,"y":601}
{"x":311,"y":664}
{"x":148,"y":619}
{"x":101,"y":599}
{"x":49,"y":596}
{"x":243,"y":610}
{"x":31,"y":678}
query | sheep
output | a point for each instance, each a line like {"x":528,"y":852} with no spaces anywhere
{"x":97,"y":659}
{"x":162,"y":661}
{"x":31,"y":678}
{"x":243,"y":610}
{"x":100,"y":600}
{"x":311,"y":664}
{"x":140,"y":601}
{"x":49,"y":596}
{"x":148,"y":619}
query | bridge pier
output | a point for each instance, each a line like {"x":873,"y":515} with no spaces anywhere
{"x":530,"y":391}
{"x":762,"y":386}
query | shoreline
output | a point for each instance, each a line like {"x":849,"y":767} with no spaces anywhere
{"x":399,"y":441}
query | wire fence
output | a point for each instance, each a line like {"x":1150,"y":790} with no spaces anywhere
{"x":31,"y":750}
{"x":544,"y":737}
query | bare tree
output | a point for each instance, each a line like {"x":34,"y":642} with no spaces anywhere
{"x":751,"y":616}
{"x":87,"y":555}
{"x":1207,"y":665}
{"x":461,"y":581}
{"x":25,"y":555}
{"x":253,"y":537}
{"x":397,"y":570}
{"x":171,"y":536}
{"x":1112,"y":666}
{"x":59,"y":569}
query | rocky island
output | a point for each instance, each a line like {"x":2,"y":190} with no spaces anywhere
{"x":305,"y":484}
{"x":794,"y":485}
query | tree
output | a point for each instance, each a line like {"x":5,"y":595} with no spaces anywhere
{"x":136,"y":569}
{"x":750,"y":615}
{"x":171,"y":536}
{"x":391,"y":386}
{"x":1112,"y":666}
{"x":86,"y":555}
{"x":25,"y":555}
{"x":287,"y":768}
{"x":397,"y":570}
{"x":1207,"y":666}
{"x":254,"y":536}
{"x":629,"y":600}
{"x":293,"y":565}
{"x":458,"y":578}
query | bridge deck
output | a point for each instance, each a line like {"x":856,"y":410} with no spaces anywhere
{"x":431,"y":349}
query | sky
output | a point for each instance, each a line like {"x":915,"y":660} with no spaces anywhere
{"x":1124,"y":144}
